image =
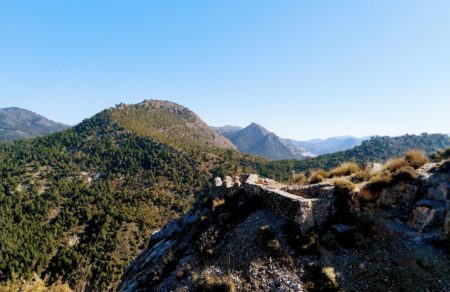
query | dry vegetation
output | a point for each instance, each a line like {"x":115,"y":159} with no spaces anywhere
{"x":36,"y":284}
{"x":317,"y":176}
{"x":345,"y":169}
{"x":298,"y":179}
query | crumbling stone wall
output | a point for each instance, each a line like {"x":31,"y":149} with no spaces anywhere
{"x":306,"y":212}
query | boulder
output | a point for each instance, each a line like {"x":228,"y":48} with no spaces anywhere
{"x":217,"y":182}
{"x":228,"y":182}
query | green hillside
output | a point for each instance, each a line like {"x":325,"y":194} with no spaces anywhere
{"x":77,"y":206}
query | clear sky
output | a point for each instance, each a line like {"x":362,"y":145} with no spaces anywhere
{"x":303,"y":69}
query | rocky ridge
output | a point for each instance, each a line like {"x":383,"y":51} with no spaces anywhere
{"x":256,"y":234}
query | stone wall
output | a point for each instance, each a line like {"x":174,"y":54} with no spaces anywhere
{"x":307,"y":212}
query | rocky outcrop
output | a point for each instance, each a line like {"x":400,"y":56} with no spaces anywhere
{"x":418,"y":206}
{"x":254,"y":234}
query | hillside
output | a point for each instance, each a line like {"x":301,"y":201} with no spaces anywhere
{"x":17,"y":123}
{"x":78,"y":205}
{"x":258,"y":141}
{"x":376,"y":149}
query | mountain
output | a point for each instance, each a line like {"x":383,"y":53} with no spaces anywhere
{"x":376,"y":149}
{"x":258,"y":141}
{"x":227,"y":129}
{"x":329,"y":145}
{"x":17,"y":123}
{"x":302,"y":149}
{"x":169,"y":123}
{"x":77,"y":206}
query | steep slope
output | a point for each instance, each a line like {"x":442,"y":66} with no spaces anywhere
{"x":329,"y":145}
{"x":78,"y":205}
{"x":376,"y":149}
{"x":256,"y":140}
{"x":17,"y":123}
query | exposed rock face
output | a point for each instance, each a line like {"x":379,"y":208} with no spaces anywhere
{"x":420,"y":204}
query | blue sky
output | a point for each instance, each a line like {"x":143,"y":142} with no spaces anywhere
{"x":303,"y":69}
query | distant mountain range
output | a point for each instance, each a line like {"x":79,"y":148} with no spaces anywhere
{"x":330,"y":145}
{"x":17,"y":123}
{"x":256,"y":140}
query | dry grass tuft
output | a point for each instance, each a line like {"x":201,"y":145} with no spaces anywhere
{"x":317,"y":176}
{"x":345,"y":169}
{"x":344,"y":184}
{"x":298,"y":179}
{"x":416,"y":158}
{"x":216,"y":203}
{"x":394,"y":164}
{"x":406,"y":173}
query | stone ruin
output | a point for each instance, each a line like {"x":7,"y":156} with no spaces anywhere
{"x":419,"y":209}
{"x":307,"y":206}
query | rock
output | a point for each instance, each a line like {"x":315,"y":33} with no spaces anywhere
{"x":228,"y":182}
{"x":217,"y":182}
{"x":447,"y":225}
{"x":401,"y":195}
{"x":342,"y":228}
{"x":376,"y":167}
{"x":424,"y":217}
{"x":362,"y":267}
{"x":252,"y":179}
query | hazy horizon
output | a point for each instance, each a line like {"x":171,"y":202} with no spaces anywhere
{"x":303,"y":70}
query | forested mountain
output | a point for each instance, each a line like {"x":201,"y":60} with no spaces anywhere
{"x":376,"y":149}
{"x":77,"y":205}
{"x":17,"y":123}
{"x":258,"y":141}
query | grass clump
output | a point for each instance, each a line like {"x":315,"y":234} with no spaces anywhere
{"x":406,"y":173}
{"x":317,"y":176}
{"x":416,"y":158}
{"x":298,"y":178}
{"x":344,"y":184}
{"x":345,"y":169}
{"x":394,"y":164}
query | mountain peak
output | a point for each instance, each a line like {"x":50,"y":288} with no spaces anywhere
{"x":257,"y":140}
{"x":169,"y":123}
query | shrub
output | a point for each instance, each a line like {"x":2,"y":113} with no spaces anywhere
{"x":379,"y":181}
{"x":317,"y":176}
{"x":416,"y":158}
{"x":445,"y":154}
{"x":406,"y":173}
{"x":346,"y":168}
{"x":394,"y":164}
{"x":344,"y":184}
{"x":298,"y":178}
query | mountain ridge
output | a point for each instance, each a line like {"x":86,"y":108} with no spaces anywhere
{"x":18,"y":123}
{"x":257,"y":140}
